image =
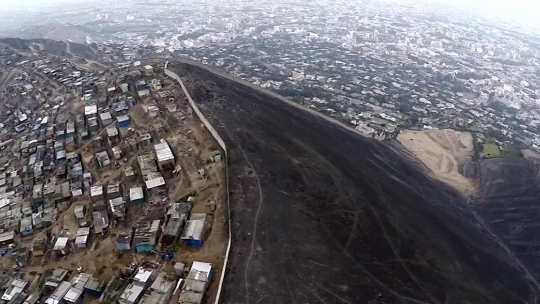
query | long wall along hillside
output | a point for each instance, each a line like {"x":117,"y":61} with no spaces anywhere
{"x":220,"y":141}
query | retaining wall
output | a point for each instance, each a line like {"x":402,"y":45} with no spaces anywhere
{"x":220,"y":141}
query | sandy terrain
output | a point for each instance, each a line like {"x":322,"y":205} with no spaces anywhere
{"x":443,"y":152}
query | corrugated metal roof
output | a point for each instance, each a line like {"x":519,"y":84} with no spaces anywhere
{"x":163,"y":152}
{"x":194,"y":230}
{"x":123,"y":118}
{"x":131,"y":293}
{"x":96,"y":191}
{"x":155,"y":182}
{"x":136,"y":193}
{"x":59,"y":293}
{"x":105,"y":116}
{"x":61,"y":243}
{"x":73,"y":294}
{"x":90,"y":110}
{"x":201,"y":267}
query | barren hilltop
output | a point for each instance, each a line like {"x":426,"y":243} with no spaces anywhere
{"x":322,"y":214}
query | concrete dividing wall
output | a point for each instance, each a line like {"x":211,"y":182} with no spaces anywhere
{"x":220,"y":141}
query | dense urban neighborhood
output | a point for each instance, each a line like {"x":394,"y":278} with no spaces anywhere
{"x":110,"y":189}
{"x":378,"y":67}
{"x":113,"y":189}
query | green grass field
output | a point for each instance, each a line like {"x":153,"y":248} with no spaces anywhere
{"x":492,"y":149}
{"x":474,"y":128}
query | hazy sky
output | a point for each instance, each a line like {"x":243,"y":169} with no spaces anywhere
{"x":522,"y":11}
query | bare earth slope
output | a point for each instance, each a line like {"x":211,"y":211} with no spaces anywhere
{"x":323,"y":215}
{"x":444,"y":152}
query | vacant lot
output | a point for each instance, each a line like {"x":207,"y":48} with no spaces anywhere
{"x":323,"y":215}
{"x":444,"y":152}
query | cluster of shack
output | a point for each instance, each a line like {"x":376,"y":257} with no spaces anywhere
{"x":85,"y":159}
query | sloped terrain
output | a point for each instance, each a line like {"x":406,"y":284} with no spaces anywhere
{"x":323,"y":215}
{"x":508,"y":197}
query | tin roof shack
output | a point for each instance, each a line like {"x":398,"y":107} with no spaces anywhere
{"x":160,"y":291}
{"x":123,"y":240}
{"x":145,"y":139}
{"x":94,"y":287}
{"x":7,"y":238}
{"x":26,"y":228}
{"x":37,"y":195}
{"x":103,"y":160}
{"x":146,"y":236}
{"x":57,"y":276}
{"x":82,"y":284}
{"x":142,"y":88}
{"x":155,"y":84}
{"x":75,"y":293}
{"x":136,"y":196}
{"x":70,"y":129}
{"x":81,"y":215}
{"x":118,"y":208}
{"x":58,"y":295}
{"x":106,"y":119}
{"x":215,"y":156}
{"x":96,"y":193}
{"x":123,"y":121}
{"x":155,"y":186}
{"x":124,"y":87}
{"x":172,"y":231}
{"x":196,"y":283}
{"x":63,"y":195}
{"x":92,"y":123}
{"x":148,"y":70}
{"x":39,"y":246}
{"x":83,"y":237}
{"x":147,"y":163}
{"x":101,"y":220}
{"x":14,"y":293}
{"x":114,"y":190}
{"x":34,"y":297}
{"x":194,"y":232}
{"x":179,"y":210}
{"x":90,"y":111}
{"x":116,"y":152}
{"x":132,"y":294}
{"x":61,"y":246}
{"x":165,"y":157}
{"x":70,"y":147}
{"x":112,"y":136}
{"x":153,"y":111}
{"x":84,"y":134}
{"x":79,"y":121}
{"x":120,"y":108}
{"x":142,"y":279}
{"x":49,"y":191}
{"x":20,"y":256}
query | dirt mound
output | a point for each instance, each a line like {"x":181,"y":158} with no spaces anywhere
{"x":321,"y":214}
{"x":444,"y":152}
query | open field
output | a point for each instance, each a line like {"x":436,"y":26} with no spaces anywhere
{"x":323,"y":215}
{"x":492,"y":149}
{"x":444,"y":152}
